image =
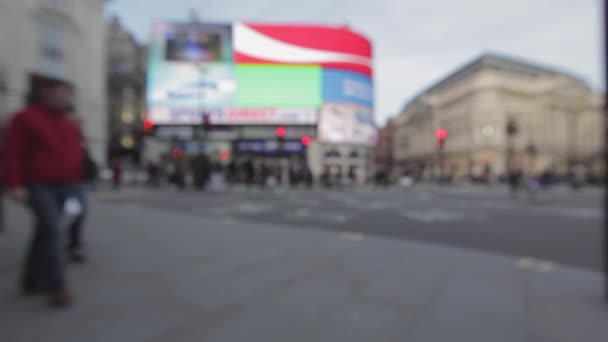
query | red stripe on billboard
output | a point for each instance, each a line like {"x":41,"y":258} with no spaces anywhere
{"x":330,"y":47}
{"x":337,"y":39}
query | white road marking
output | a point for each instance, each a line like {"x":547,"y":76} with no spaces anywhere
{"x":302,"y":212}
{"x":250,"y":208}
{"x":545,"y":266}
{"x":579,"y":213}
{"x":433,"y":215}
{"x":229,"y":221}
{"x":526,"y":263}
{"x":337,"y":218}
{"x":352,"y":236}
{"x":305,"y":213}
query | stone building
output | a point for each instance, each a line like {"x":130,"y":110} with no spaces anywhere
{"x":62,"y":39}
{"x":383,"y":156}
{"x":558,"y":121}
{"x":126,"y":87}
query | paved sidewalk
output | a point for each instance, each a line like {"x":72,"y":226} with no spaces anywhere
{"x":159,"y":276}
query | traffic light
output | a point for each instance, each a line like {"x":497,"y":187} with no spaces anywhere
{"x":224,"y":155}
{"x":207,"y":122}
{"x":148,"y":126}
{"x":281,"y":131}
{"x":442,"y":135}
{"x":306,"y":140}
{"x":177,"y":153}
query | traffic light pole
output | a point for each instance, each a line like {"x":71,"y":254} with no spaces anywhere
{"x":201,"y":131}
{"x":605,"y":152}
{"x":441,"y":152}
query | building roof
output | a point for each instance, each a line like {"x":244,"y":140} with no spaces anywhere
{"x":496,"y":62}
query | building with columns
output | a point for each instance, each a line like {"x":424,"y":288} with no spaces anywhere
{"x":62,"y":39}
{"x":557,"y":118}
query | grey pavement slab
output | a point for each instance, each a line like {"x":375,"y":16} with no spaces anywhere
{"x":164,"y":276}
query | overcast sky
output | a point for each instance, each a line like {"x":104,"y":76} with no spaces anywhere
{"x":417,"y":42}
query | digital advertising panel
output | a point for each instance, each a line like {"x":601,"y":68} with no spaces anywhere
{"x":325,"y":46}
{"x":347,"y":124}
{"x":262,"y":74}
{"x":278,"y":86}
{"x":190,"y":70}
{"x":347,"y":87}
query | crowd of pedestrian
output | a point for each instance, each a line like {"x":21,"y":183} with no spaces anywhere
{"x":199,"y":171}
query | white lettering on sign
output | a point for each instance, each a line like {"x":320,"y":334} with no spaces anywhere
{"x":357,"y":89}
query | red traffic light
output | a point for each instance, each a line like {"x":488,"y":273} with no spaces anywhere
{"x":306,"y":140}
{"x":148,"y":125}
{"x":281,"y":131}
{"x":177,"y":153}
{"x":225,"y":155}
{"x":441,"y":134}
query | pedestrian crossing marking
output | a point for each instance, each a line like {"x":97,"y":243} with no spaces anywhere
{"x":352,"y":236}
{"x":527,"y":263}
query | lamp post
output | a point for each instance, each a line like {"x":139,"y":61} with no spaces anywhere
{"x":201,"y":135}
{"x":605,"y":151}
{"x":511,"y":131}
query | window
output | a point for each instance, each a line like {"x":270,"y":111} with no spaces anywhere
{"x":52,"y":49}
{"x":332,"y":154}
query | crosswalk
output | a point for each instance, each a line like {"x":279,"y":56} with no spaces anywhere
{"x":416,"y":206}
{"x":419,"y":207}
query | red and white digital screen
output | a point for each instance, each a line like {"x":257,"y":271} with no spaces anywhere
{"x":331,"y":47}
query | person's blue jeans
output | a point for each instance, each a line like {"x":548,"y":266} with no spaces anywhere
{"x":44,"y":266}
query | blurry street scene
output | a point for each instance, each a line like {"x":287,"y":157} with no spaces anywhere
{"x":264,"y":171}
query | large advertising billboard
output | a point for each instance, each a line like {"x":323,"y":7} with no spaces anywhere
{"x":256,"y":74}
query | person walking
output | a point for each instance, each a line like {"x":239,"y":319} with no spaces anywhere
{"x":43,"y":169}
{"x":201,"y":170}
{"x":116,"y":175}
{"x":249,"y":171}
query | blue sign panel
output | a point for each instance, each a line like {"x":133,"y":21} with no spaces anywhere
{"x":259,"y":146}
{"x":347,"y":87}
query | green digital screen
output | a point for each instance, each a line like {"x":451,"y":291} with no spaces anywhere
{"x":278,"y":86}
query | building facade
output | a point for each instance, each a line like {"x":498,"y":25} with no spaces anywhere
{"x":126,"y":89}
{"x":556,"y":117}
{"x":61,"y":39}
{"x":384,"y":149}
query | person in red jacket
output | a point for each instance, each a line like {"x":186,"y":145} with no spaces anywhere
{"x":43,"y":168}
